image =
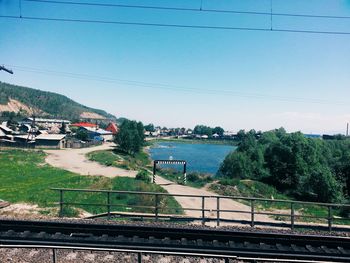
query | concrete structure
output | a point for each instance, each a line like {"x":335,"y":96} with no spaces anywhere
{"x":56,"y":141}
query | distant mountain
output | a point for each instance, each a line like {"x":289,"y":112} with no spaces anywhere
{"x":28,"y":101}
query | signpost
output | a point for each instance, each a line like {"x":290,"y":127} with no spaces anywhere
{"x":184,"y":163}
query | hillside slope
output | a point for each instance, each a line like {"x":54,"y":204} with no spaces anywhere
{"x":45,"y":104}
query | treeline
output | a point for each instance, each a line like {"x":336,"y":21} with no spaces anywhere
{"x":51,"y":104}
{"x":206,"y":130}
{"x":304,"y":168}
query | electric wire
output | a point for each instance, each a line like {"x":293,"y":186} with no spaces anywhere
{"x":201,"y":9}
{"x":176,"y":25}
{"x":168,"y":87}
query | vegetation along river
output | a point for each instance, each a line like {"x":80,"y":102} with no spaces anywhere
{"x":203,"y":158}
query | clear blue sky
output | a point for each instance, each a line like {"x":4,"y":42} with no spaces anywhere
{"x":265,"y":75}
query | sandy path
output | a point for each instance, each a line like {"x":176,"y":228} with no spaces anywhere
{"x":74,"y":160}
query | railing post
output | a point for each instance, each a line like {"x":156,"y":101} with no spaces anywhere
{"x":218,"y":211}
{"x":292,"y":216}
{"x":109,"y":204}
{"x":203,"y":210}
{"x":252,"y":212}
{"x":54,"y":256}
{"x":156,"y":207}
{"x":154,"y":172}
{"x":329,"y":218}
{"x":61,"y":203}
{"x":139,"y":257}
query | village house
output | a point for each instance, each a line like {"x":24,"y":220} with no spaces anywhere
{"x":55,"y":141}
{"x":97,"y":134}
{"x":113,"y":128}
{"x":52,"y":125}
{"x":84,"y":125}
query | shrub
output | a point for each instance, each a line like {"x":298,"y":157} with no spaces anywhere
{"x":143,"y":176}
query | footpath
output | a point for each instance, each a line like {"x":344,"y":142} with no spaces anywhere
{"x":74,"y":160}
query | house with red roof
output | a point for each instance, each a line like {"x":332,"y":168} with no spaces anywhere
{"x":84,"y":125}
{"x":112,"y":127}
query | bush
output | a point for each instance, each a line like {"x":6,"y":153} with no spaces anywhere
{"x":143,"y":176}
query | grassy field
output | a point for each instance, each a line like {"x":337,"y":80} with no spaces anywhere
{"x":120,"y":159}
{"x":26,"y":178}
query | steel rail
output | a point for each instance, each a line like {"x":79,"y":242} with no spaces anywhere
{"x":180,"y":240}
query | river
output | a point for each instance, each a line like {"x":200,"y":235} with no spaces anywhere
{"x":204,"y":158}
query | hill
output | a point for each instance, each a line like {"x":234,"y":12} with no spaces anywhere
{"x":28,"y":101}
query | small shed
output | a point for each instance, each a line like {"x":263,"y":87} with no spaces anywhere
{"x":55,"y":141}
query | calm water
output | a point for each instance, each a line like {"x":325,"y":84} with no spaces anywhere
{"x":205,"y":158}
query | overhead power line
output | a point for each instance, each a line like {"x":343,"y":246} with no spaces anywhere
{"x":106,"y":22}
{"x":6,"y":69}
{"x":200,"y":9}
{"x":169,"y":87}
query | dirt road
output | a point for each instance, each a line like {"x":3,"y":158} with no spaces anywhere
{"x":75,"y":160}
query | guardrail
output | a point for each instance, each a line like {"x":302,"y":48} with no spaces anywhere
{"x":282,"y":213}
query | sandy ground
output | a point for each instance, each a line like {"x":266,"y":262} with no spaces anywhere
{"x":75,"y":160}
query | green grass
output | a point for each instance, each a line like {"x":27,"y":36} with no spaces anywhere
{"x":250,"y":188}
{"x":194,"y":179}
{"x":26,"y":178}
{"x":120,"y":159}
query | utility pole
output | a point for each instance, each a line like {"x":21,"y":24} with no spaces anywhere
{"x":347,"y":129}
{"x":5,"y":69}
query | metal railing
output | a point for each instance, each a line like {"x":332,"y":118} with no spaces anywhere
{"x":213,"y":208}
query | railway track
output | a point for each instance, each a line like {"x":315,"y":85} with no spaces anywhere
{"x":174,"y":240}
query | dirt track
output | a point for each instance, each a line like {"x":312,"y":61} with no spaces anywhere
{"x":75,"y":161}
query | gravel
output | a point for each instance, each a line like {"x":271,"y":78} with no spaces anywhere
{"x":20,"y":255}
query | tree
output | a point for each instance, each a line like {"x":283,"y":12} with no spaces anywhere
{"x":203,"y":130}
{"x":149,"y":127}
{"x":219,"y":131}
{"x":305,"y":168}
{"x":130,"y":136}
{"x":63,"y":128}
{"x":82,"y":135}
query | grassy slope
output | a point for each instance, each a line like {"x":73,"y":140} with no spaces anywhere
{"x":250,"y":188}
{"x":120,"y":159}
{"x":142,"y":161}
{"x":25,"y":178}
{"x":56,"y":105}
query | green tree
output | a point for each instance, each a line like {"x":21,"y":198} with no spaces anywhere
{"x":63,"y":128}
{"x":130,"y":136}
{"x":150,"y":127}
{"x":82,"y":135}
{"x":203,"y":130}
{"x":219,"y":131}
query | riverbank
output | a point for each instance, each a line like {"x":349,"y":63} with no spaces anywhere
{"x":152,"y":141}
